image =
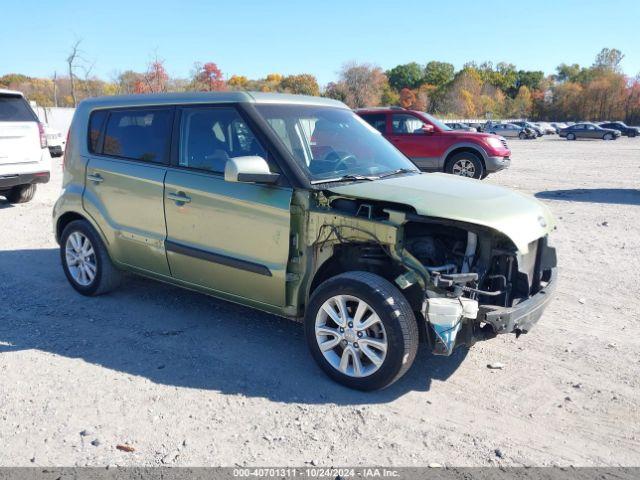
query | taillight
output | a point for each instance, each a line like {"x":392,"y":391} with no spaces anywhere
{"x":43,"y":136}
{"x":66,"y":150}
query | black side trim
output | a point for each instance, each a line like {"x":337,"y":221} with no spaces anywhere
{"x":217,"y":258}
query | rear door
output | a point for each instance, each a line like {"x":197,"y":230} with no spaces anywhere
{"x":407,"y":135}
{"x":225,"y":236}
{"x":124,"y":183}
{"x":19,"y":133}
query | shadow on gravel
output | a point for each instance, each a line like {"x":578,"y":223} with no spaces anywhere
{"x":176,"y":337}
{"x":621,"y":196}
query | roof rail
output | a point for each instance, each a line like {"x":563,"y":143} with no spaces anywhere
{"x":380,"y":108}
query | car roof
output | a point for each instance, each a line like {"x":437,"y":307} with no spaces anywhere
{"x":208,"y":97}
{"x":10,"y":92}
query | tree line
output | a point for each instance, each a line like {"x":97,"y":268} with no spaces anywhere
{"x":597,"y":92}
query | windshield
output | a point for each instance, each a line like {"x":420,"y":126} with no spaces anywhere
{"x":331,"y":143}
{"x":436,"y":122}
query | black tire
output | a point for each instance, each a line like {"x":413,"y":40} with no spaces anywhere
{"x":397,"y":317}
{"x":608,"y":136}
{"x":632,"y":134}
{"x":107,"y":276}
{"x":522,"y":136}
{"x":478,"y":167}
{"x":21,"y":194}
{"x":571,"y":136}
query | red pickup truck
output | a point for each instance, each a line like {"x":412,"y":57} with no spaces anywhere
{"x":434,"y":147}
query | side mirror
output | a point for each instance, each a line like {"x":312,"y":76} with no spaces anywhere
{"x":250,"y":169}
{"x":426,"y":128}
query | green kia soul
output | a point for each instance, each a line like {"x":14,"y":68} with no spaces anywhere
{"x":295,"y":206}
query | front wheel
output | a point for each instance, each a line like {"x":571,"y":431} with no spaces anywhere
{"x":522,"y":136}
{"x":21,"y":193}
{"x":85,"y":260}
{"x":571,"y":136}
{"x":361,"y":330}
{"x":465,"y":164}
{"x":608,"y":136}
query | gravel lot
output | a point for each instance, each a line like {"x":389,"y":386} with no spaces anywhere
{"x":186,"y":379}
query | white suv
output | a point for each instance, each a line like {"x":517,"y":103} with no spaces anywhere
{"x":24,"y":156}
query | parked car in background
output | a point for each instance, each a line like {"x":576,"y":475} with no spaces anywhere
{"x":559,"y":126}
{"x":539,"y":131}
{"x":588,"y":130}
{"x":24,"y":158}
{"x":623,"y":128}
{"x":461,"y":126}
{"x":434,"y":147}
{"x":295,"y":206}
{"x":546,"y":128}
{"x":476,"y":125}
{"x":511,"y":130}
{"x":55,"y":141}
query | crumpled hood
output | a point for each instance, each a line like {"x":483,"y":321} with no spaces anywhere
{"x":521,"y":218}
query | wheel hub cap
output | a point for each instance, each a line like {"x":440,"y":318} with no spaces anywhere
{"x":464,"y":168}
{"x":351,"y":336}
{"x":80,"y":258}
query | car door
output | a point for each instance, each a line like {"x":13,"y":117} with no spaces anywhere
{"x":124,"y":185}
{"x":405,"y":132}
{"x":232,"y":238}
{"x":591,"y":131}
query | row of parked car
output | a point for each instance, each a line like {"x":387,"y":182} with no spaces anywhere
{"x":570,"y":130}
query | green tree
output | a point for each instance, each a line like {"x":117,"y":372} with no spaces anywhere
{"x":409,"y":75}
{"x":529,"y":79}
{"x":438,"y":74}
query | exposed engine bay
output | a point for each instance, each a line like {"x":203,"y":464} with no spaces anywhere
{"x":468,"y":276}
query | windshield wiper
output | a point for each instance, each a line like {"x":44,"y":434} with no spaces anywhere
{"x":344,"y":178}
{"x":398,"y":171}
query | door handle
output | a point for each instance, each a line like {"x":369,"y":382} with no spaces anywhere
{"x":178,"y":197}
{"x":95,"y":178}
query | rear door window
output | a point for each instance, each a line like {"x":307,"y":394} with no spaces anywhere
{"x":14,"y":108}
{"x":140,"y":134}
{"x":377,"y":121}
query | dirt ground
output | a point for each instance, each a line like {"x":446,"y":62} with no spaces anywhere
{"x":190,"y":380}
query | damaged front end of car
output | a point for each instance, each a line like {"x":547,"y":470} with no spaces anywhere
{"x":466,"y":281}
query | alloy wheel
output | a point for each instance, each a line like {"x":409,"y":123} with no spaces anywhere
{"x":81,"y":258}
{"x":464,"y":168}
{"x":351,"y":336}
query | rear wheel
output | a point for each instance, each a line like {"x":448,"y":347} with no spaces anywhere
{"x":465,"y":164}
{"x":632,"y":134}
{"x":21,"y":194}
{"x":571,"y":136}
{"x":361,"y":330}
{"x":85,"y":260}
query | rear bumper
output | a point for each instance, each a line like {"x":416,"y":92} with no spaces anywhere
{"x":522,"y":317}
{"x":9,"y":181}
{"x":56,"y":150}
{"x":495,"y":164}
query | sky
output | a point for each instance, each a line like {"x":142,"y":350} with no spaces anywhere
{"x":254,"y":38}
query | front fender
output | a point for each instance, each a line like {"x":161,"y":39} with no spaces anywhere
{"x":470,"y":145}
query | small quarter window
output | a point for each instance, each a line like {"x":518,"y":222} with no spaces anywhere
{"x":96,"y":121}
